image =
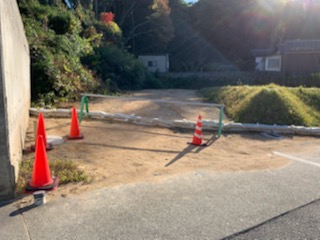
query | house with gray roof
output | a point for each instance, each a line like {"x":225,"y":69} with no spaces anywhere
{"x":293,"y":57}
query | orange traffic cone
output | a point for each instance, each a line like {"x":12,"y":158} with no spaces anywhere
{"x":41,"y":177}
{"x":41,"y":131}
{"x":74,"y":128}
{"x":197,"y":136}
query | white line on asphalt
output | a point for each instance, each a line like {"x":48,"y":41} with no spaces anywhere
{"x":296,"y":159}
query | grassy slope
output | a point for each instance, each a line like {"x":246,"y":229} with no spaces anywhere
{"x":270,"y":104}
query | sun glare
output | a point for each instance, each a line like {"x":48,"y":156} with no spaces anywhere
{"x":272,"y":5}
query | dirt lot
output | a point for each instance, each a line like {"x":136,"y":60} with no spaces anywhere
{"x":115,"y":153}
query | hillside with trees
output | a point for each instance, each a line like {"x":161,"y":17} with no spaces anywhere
{"x":91,"y":45}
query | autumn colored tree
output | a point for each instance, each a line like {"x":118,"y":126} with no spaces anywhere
{"x":106,"y":17}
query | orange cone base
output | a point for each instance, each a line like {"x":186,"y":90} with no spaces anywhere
{"x":48,"y":147}
{"x":50,"y":187}
{"x":75,"y":137}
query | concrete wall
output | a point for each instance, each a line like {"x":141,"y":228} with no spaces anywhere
{"x":14,"y":94}
{"x":224,"y":75}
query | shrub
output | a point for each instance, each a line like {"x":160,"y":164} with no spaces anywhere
{"x":118,"y":68}
{"x":61,"y":23}
{"x":56,"y":48}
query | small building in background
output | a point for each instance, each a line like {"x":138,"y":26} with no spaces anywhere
{"x":300,"y":56}
{"x":291,"y":57}
{"x":156,"y":63}
{"x":267,"y":60}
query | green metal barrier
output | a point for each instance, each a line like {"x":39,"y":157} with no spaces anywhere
{"x":84,"y":101}
{"x":220,"y":121}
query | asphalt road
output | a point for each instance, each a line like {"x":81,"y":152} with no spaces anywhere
{"x":270,"y":204}
{"x":300,"y":223}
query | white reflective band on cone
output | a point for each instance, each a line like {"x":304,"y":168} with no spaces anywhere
{"x":197,"y":135}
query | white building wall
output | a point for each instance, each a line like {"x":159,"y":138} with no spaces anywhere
{"x":155,"y":63}
{"x":260,"y":63}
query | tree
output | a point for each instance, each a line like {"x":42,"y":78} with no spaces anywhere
{"x":146,"y":24}
{"x":188,"y":50}
{"x":228,"y":26}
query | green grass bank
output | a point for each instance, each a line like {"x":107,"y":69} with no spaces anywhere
{"x":269,"y":104}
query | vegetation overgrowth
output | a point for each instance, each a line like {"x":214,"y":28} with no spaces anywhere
{"x":56,"y":49}
{"x":66,"y":170}
{"x":72,"y":52}
{"x":269,"y":104}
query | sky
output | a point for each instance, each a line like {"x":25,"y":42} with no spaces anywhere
{"x":191,"y":1}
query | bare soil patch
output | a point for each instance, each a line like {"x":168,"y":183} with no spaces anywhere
{"x":115,"y":153}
